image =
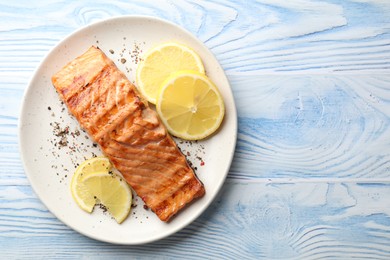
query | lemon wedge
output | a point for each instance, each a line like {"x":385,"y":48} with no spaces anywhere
{"x":80,"y":192}
{"x":112,"y":191}
{"x":160,"y":62}
{"x":190,"y":105}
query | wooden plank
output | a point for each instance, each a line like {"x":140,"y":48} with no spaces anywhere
{"x":312,"y":126}
{"x":277,"y":36}
{"x":248,"y":220}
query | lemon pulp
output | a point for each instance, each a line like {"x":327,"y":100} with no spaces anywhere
{"x":160,"y":62}
{"x":113,"y":192}
{"x":93,"y":182}
{"x":190,"y":105}
{"x":80,"y":192}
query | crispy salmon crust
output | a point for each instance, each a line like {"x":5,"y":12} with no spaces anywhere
{"x":109,"y":107}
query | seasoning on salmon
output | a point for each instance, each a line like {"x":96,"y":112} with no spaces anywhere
{"x":108,"y":106}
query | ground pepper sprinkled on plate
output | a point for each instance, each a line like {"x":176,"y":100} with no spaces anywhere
{"x":66,"y":140}
{"x":135,"y":53}
{"x":104,"y":208}
{"x":194,"y":152}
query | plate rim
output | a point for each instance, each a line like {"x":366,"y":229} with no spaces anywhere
{"x":29,"y":88}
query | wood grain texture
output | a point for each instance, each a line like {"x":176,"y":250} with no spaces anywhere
{"x":310,"y":177}
{"x":270,"y":220}
{"x":306,"y":126}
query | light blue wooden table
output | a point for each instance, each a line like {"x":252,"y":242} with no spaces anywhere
{"x":311,"y":173}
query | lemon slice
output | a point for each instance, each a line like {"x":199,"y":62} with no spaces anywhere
{"x":80,"y":193}
{"x":112,"y":191}
{"x":190,"y":105}
{"x":160,"y":62}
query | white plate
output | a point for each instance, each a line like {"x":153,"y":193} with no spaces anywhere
{"x":49,"y":166}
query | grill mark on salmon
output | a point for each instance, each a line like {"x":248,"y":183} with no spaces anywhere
{"x":170,"y":159}
{"x":151,"y":169}
{"x":146,"y":165}
{"x":130,"y":133}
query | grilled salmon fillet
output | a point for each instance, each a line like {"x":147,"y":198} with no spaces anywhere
{"x":108,"y":106}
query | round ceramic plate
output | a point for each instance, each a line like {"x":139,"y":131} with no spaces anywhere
{"x":52,"y":143}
